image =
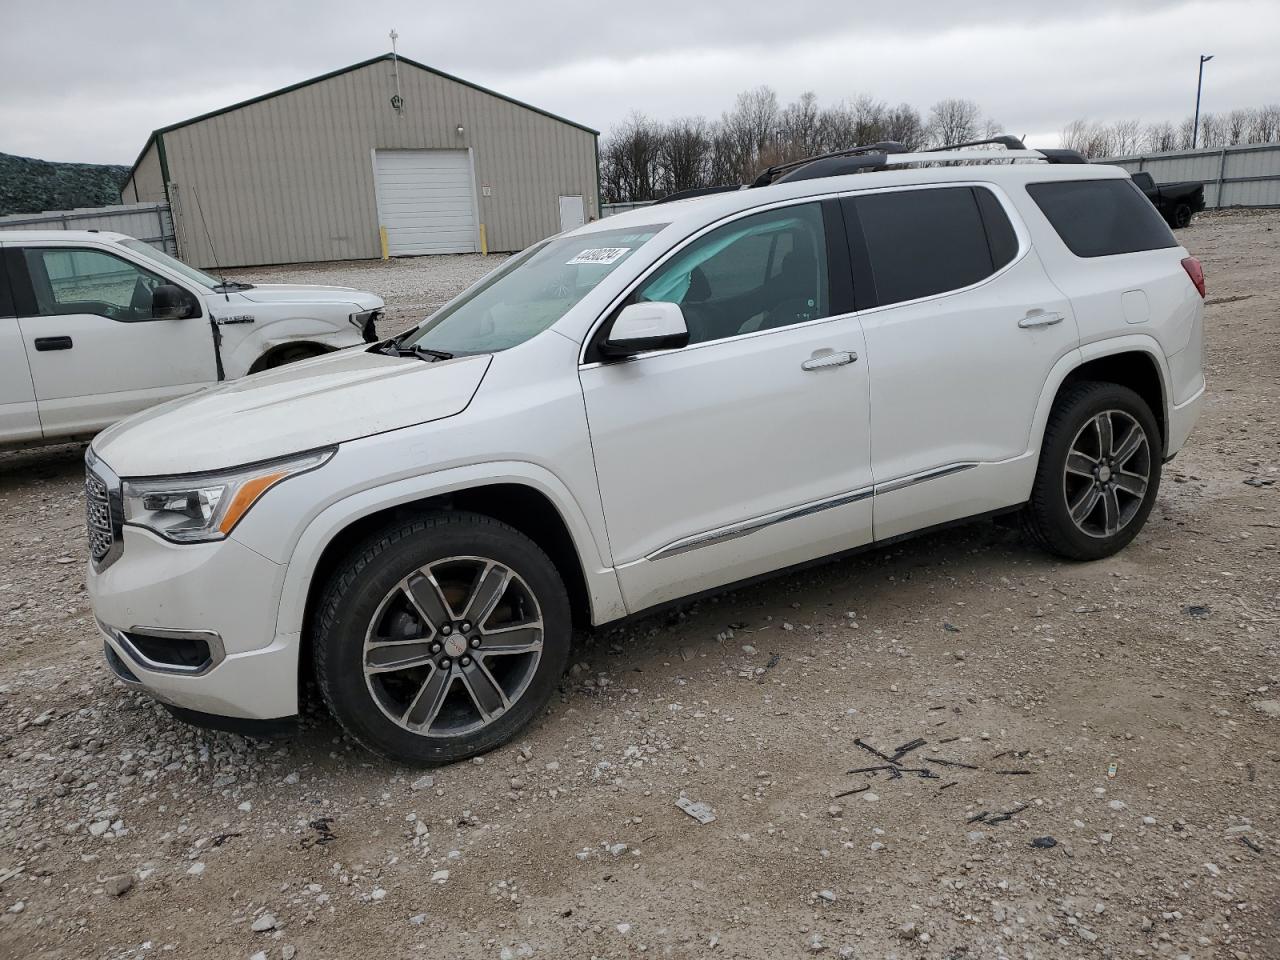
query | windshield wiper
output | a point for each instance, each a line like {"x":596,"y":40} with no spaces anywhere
{"x":426,"y":353}
{"x":230,"y":286}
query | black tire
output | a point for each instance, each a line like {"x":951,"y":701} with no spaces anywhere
{"x":1047,"y":517}
{"x":364,"y":588}
{"x":1181,"y":216}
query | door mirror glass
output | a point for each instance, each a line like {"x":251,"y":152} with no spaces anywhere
{"x":171,"y":302}
{"x":642,"y":327}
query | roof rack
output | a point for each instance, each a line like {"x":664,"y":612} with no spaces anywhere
{"x":1005,"y":140}
{"x":784,"y":171}
{"x":888,"y":153}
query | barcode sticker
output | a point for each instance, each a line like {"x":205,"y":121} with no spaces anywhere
{"x":601,"y":255}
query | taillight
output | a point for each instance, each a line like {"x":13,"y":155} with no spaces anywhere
{"x":1196,"y":272}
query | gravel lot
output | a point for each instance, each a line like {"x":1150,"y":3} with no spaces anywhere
{"x":413,"y":287}
{"x":125,"y":834}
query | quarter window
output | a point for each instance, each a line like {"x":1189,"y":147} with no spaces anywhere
{"x":67,"y":280}
{"x":925,"y":242}
{"x":760,"y":272}
{"x":1101,"y":218}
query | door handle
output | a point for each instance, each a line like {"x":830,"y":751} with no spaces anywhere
{"x":1039,"y":318}
{"x":832,"y":359}
{"x":53,"y":343}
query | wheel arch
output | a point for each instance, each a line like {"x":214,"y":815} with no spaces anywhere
{"x":522,"y":495}
{"x":267,"y":358}
{"x":1134,"y":361}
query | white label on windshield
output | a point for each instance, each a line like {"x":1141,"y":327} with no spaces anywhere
{"x":601,"y":255}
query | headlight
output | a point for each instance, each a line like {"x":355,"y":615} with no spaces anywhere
{"x":206,"y":506}
{"x":368,"y":324}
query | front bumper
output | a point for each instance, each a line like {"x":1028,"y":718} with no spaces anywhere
{"x":223,"y":593}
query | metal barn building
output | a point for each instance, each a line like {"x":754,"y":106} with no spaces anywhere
{"x":387,"y":156}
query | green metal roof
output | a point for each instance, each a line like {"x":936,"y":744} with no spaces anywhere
{"x":156,"y":134}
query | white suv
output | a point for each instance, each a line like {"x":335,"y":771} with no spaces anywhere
{"x":646,"y":408}
{"x":96,"y":326}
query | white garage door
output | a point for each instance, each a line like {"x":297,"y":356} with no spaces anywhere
{"x":426,"y":201}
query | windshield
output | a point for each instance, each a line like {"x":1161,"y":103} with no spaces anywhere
{"x":173,"y":263}
{"x":528,"y":293}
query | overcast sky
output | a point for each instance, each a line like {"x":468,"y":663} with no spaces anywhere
{"x":87,"y":81}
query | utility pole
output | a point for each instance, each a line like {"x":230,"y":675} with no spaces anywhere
{"x":1195,"y":126}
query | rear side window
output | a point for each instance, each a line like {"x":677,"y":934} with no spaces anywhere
{"x":1102,"y":218}
{"x":924,"y":242}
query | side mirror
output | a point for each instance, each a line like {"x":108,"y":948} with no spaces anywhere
{"x":171,"y":302}
{"x":642,"y":327}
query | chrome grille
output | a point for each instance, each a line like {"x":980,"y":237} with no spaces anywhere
{"x":98,"y":514}
{"x":104,"y":512}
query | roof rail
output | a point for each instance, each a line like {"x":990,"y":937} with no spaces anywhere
{"x":1005,"y":140}
{"x":697,"y":192}
{"x":772,"y":174}
{"x":1063,"y":155}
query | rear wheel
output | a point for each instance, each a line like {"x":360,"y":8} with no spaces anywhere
{"x":1099,"y":472}
{"x":1181,"y":216}
{"x":441,"y":638}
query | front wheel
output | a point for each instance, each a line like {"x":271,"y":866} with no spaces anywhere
{"x":1099,"y":472}
{"x":441,"y":638}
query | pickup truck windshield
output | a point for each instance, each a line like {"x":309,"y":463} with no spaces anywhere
{"x":173,"y":263}
{"x":528,"y":293}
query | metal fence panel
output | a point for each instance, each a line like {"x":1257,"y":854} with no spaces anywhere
{"x":609,"y":209}
{"x":150,"y":222}
{"x":1247,"y":175}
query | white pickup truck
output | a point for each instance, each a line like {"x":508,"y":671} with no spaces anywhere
{"x":96,"y":326}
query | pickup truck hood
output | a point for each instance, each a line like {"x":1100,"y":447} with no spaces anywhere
{"x":327,"y":400}
{"x":309,"y":293}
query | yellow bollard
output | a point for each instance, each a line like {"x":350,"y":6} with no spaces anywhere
{"x":484,"y":242}
{"x":382,"y":236}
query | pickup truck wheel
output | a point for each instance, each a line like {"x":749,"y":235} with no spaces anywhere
{"x":1181,"y":216}
{"x":1098,"y":474}
{"x":441,"y":638}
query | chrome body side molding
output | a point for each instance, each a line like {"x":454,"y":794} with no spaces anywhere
{"x":733,"y":531}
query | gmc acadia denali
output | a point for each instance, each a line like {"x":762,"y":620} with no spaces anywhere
{"x":854,"y":348}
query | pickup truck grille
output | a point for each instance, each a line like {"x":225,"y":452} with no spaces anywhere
{"x":103,"y":514}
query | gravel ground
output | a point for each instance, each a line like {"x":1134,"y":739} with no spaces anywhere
{"x":1111,"y":728}
{"x":413,"y":287}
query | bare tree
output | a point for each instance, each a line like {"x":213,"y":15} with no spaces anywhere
{"x":1126,"y":136}
{"x":684,"y":154}
{"x":903,"y":124}
{"x":629,"y":161}
{"x":799,"y":127}
{"x":953,"y":121}
{"x":1161,"y":137}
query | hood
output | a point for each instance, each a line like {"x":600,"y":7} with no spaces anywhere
{"x":309,"y":293}
{"x":327,"y":400}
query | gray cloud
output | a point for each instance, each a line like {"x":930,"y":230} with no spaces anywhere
{"x":89,"y":81}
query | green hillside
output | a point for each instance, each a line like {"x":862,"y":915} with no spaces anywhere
{"x":32,"y":186}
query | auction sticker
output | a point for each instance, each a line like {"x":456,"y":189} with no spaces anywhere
{"x":601,"y":255}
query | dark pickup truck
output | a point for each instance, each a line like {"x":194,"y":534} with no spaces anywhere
{"x":1177,"y":202}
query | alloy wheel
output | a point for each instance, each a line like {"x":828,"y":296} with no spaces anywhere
{"x":1107,"y":473}
{"x":453,"y":646}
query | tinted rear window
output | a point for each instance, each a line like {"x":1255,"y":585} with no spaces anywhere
{"x":1101,"y":218}
{"x":922,"y":242}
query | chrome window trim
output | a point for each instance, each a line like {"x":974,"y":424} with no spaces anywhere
{"x":1010,"y":210}
{"x":217,"y":652}
{"x":673,"y":251}
{"x":743,"y":528}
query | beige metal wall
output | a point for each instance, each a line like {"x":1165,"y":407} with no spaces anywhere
{"x":290,"y":179}
{"x":146,"y":185}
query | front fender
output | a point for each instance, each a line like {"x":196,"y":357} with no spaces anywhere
{"x":602,"y":583}
{"x":239,"y":355}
